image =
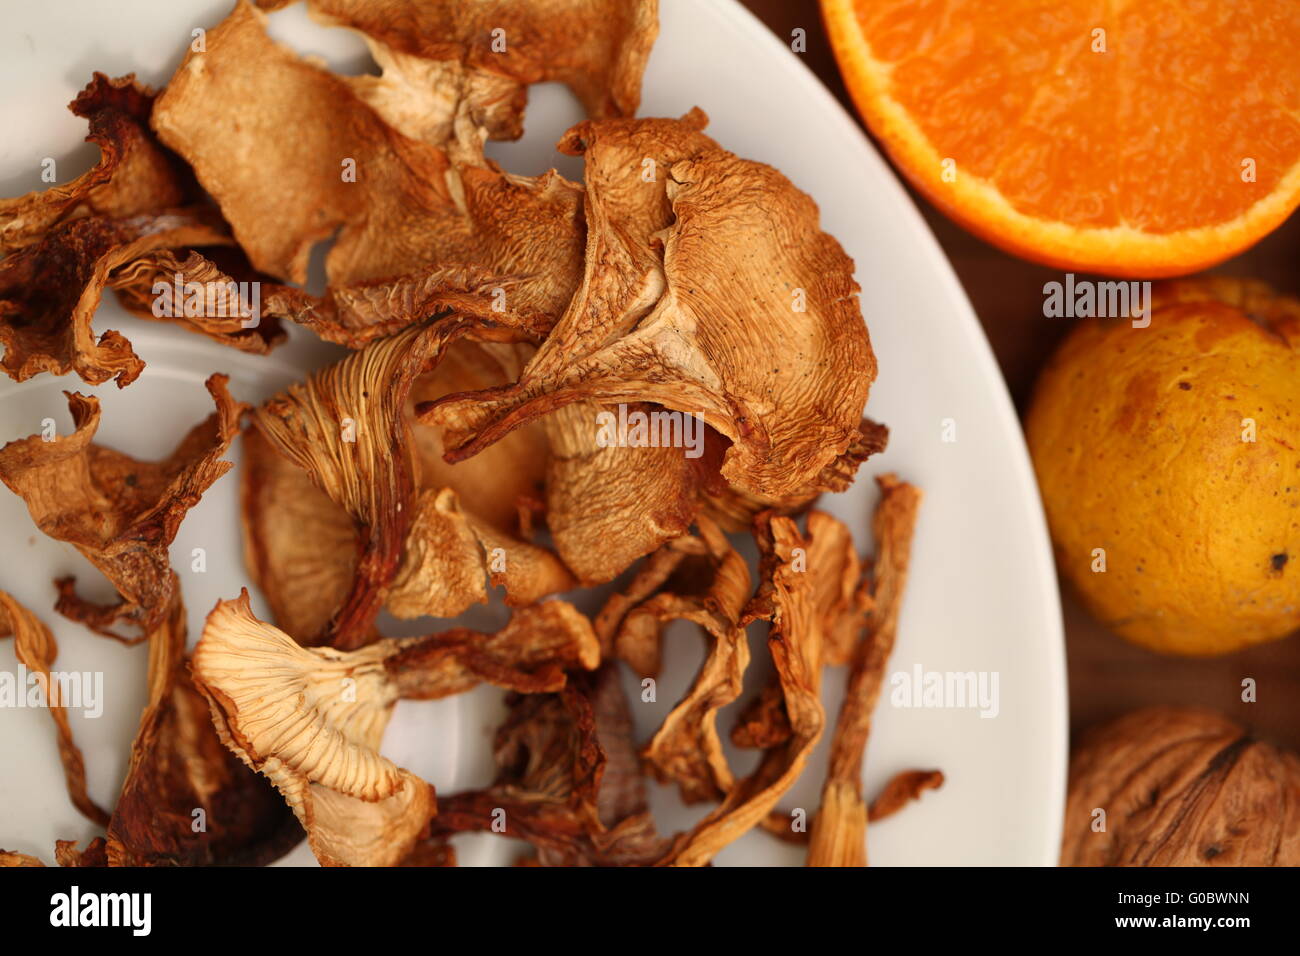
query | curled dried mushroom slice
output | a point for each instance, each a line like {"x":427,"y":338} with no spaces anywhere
{"x":785,"y":598}
{"x":902,"y":789}
{"x":311,"y":721}
{"x":49,"y":291}
{"x":842,"y":603}
{"x":443,"y":56}
{"x":839,"y":828}
{"x":300,"y":547}
{"x":36,"y":649}
{"x":214,"y":292}
{"x":135,"y":174}
{"x":529,"y":655}
{"x":187,"y":801}
{"x":347,"y":428}
{"x":676,"y":227}
{"x":121,"y":513}
{"x":567,"y":780}
{"x":417,"y":230}
{"x":710,"y":591}
{"x":126,"y":224}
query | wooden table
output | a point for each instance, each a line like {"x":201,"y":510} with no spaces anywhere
{"x":1107,"y":675}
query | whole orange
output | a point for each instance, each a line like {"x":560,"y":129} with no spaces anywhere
{"x":1169,"y":463}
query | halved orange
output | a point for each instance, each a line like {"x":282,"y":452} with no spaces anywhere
{"x":1129,"y":137}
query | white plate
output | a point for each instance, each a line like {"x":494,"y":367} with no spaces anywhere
{"x":982,"y":595}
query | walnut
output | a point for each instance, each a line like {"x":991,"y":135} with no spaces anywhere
{"x":1181,"y":787}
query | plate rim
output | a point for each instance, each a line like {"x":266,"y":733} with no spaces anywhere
{"x":964,"y":318}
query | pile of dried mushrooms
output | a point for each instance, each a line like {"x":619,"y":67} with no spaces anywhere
{"x":454,"y":454}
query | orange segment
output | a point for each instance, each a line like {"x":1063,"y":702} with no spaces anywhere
{"x":1131,"y":137}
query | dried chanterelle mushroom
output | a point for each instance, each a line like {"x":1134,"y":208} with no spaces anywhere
{"x":1169,"y":786}
{"x":500,"y":326}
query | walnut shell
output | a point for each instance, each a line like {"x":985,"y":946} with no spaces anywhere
{"x":1181,"y":787}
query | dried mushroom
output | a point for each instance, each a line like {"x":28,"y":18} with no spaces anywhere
{"x":65,"y":854}
{"x":187,"y":801}
{"x":491,"y":486}
{"x":840,"y":828}
{"x":35,"y":648}
{"x":300,"y":547}
{"x":11,"y":858}
{"x":713,"y":590}
{"x":121,"y":513}
{"x":785,"y":599}
{"x":417,"y":231}
{"x":94,"y":855}
{"x":50,"y":290}
{"x":347,"y":428}
{"x":135,"y":175}
{"x":437,"y":55}
{"x":1168,"y":786}
{"x":448,"y":551}
{"x":607,"y":505}
{"x":300,"y":532}
{"x":782,"y":371}
{"x":567,"y":780}
{"x":119,"y":225}
{"x":209,"y":291}
{"x":311,"y":719}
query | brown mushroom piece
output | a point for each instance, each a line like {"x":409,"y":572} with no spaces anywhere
{"x":134,"y":176}
{"x":300,"y":547}
{"x":94,"y":855}
{"x":675,"y":225}
{"x":709,"y":589}
{"x":116,"y":226}
{"x":211,"y":290}
{"x":300,"y":544}
{"x":606,"y":504}
{"x":784,"y":598}
{"x":437,"y":55}
{"x":36,"y":649}
{"x":839,"y":831}
{"x":1172,"y":786}
{"x":417,"y":232}
{"x":567,"y":780}
{"x":121,"y":513}
{"x":348,"y":428}
{"x":467,"y":532}
{"x":448,"y":553}
{"x":843,"y":605}
{"x":312,"y":720}
{"x":187,"y":801}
